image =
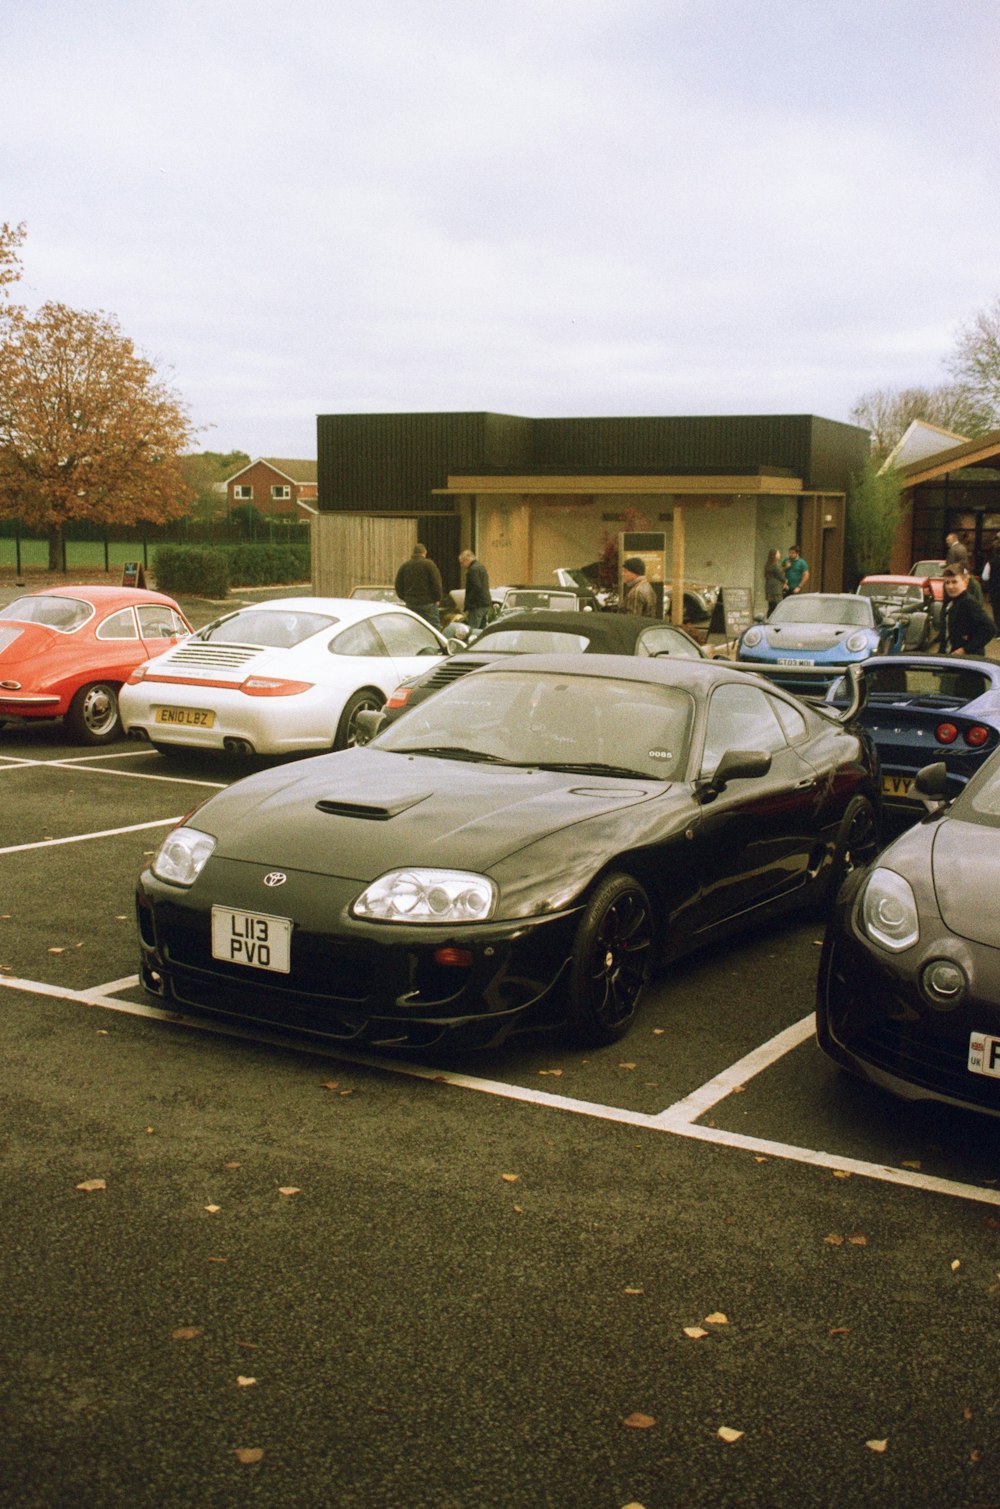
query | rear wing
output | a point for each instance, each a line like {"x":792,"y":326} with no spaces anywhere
{"x":812,"y":684}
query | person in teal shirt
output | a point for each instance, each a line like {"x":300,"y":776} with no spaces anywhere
{"x":796,"y":570}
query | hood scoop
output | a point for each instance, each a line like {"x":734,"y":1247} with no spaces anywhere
{"x":370,"y":812}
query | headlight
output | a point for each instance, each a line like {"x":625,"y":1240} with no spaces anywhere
{"x":889,"y":912}
{"x":182,"y":856}
{"x":856,"y":642}
{"x":427,"y":896}
{"x":752,"y":638}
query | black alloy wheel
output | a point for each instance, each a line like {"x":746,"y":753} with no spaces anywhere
{"x":858,"y":842}
{"x":612,"y":962}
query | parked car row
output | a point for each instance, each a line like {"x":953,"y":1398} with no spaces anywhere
{"x":544,"y":819}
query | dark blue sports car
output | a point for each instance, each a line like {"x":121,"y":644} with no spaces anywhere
{"x":923,"y":708}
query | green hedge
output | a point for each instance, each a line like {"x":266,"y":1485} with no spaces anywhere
{"x":209,"y":572}
{"x":184,"y":569}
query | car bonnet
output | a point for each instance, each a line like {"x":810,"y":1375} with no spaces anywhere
{"x":361,"y":812}
{"x":963,"y":864}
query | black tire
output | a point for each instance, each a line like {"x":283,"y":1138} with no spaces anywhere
{"x":612,"y":962}
{"x":93,"y":717}
{"x":347,"y":728}
{"x":857,"y":844}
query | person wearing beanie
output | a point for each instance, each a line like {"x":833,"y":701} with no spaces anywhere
{"x":639,"y":597}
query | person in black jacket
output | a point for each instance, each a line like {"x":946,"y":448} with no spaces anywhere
{"x":966,"y":627}
{"x":418,"y":583}
{"x":478,"y":601}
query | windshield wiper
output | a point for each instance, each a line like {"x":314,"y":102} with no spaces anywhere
{"x":457,"y":752}
{"x":594,"y":768}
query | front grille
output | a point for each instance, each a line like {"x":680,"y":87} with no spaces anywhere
{"x":323,"y":969}
{"x":929,"y":1059}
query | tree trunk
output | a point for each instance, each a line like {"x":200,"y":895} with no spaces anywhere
{"x":57,"y":548}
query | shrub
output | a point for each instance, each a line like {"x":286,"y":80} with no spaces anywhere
{"x":198,"y":573}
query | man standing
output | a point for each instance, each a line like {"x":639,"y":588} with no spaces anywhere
{"x":957,"y":555}
{"x":966,"y":627}
{"x":477,"y":590}
{"x":418,"y":583}
{"x":796,"y":569}
{"x":640,"y":598}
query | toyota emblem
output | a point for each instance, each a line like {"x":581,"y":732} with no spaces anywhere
{"x":275,"y":877}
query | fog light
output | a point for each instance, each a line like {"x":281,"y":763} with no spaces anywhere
{"x":943,"y":983}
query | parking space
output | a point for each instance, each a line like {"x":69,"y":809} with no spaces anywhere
{"x":723,"y":1053}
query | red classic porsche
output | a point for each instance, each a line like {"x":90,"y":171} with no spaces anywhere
{"x":64,"y":653}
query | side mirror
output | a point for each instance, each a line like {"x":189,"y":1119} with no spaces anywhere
{"x":735,"y":765}
{"x":368,"y":723}
{"x":931,"y":785}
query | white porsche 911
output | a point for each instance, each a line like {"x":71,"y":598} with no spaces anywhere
{"x":278,"y":677}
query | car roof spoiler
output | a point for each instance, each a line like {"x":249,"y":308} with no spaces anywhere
{"x":813,"y":684}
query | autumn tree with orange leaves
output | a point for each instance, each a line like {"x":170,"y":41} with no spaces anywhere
{"x":88,"y":431}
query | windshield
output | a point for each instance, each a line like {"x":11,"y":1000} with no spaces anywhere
{"x":277,"y":628}
{"x":811,"y":608}
{"x":62,"y":613}
{"x":980,"y":801}
{"x":586,"y":723}
{"x":892,"y":592}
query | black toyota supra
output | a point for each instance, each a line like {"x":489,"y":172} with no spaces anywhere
{"x":525,"y":847}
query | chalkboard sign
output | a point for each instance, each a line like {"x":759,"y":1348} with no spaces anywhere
{"x":733,"y":612}
{"x":133,"y":574}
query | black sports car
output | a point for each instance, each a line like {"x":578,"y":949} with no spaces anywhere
{"x":545,"y":633}
{"x":525,"y":844}
{"x":909,"y":982}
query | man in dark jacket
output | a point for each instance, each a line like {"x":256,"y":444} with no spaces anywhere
{"x":418,"y":583}
{"x":478,"y":601}
{"x":966,"y":627}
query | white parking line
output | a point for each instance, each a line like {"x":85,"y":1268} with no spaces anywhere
{"x":77,"y":765}
{"x":676,"y":1120}
{"x":85,"y":838}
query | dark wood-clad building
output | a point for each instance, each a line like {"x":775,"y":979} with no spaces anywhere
{"x":531,"y":495}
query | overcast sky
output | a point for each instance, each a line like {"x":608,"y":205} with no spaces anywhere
{"x":538,"y":207}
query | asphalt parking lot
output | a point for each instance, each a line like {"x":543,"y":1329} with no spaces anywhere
{"x":240,"y":1270}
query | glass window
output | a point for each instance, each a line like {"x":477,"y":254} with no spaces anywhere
{"x":357,"y":639}
{"x":62,"y":613}
{"x":791,"y":719}
{"x":740,"y":717}
{"x":663,"y":640}
{"x":120,"y":625}
{"x":243,"y":492}
{"x":533,"y":642}
{"x":276,"y":628}
{"x":156,"y":621}
{"x":280,"y":492}
{"x":403,"y":635}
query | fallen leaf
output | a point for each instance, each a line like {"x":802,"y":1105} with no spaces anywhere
{"x":248,"y":1455}
{"x":103,"y":1032}
{"x":659,"y":1031}
{"x":759,"y":1158}
{"x":638,"y":1421}
{"x":249,"y":1346}
{"x":518,"y":1209}
{"x":186,"y":1333}
{"x":696,"y":1332}
{"x":213,"y":1209}
{"x":910,"y":1163}
{"x":218,"y":1260}
{"x":833,"y":1240}
{"x":966,"y":1413}
{"x":510,"y":1178}
{"x":92,"y":1184}
{"x":841,"y":1173}
{"x":626,"y":1066}
{"x":347,"y":1092}
{"x":150,"y":1131}
{"x":230,"y":1165}
{"x":716,"y":1319}
{"x":633,"y":1291}
{"x":554,"y":1072}
{"x":974,"y":1456}
{"x":955,"y":1266}
{"x":330,"y":1084}
{"x":738,"y":1090}
{"x":856,"y":1239}
{"x":57,"y":950}
{"x":726,"y":1433}
{"x":289,"y":1189}
{"x":877,"y":1445}
{"x":840,"y":1331}
{"x":245,"y":1382}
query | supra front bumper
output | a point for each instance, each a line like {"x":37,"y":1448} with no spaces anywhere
{"x":373,"y":984}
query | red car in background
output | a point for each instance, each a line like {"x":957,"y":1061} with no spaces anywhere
{"x":65,"y":651}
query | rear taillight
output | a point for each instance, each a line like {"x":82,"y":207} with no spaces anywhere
{"x":946,"y":733}
{"x":976,"y":736}
{"x":268,"y":686}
